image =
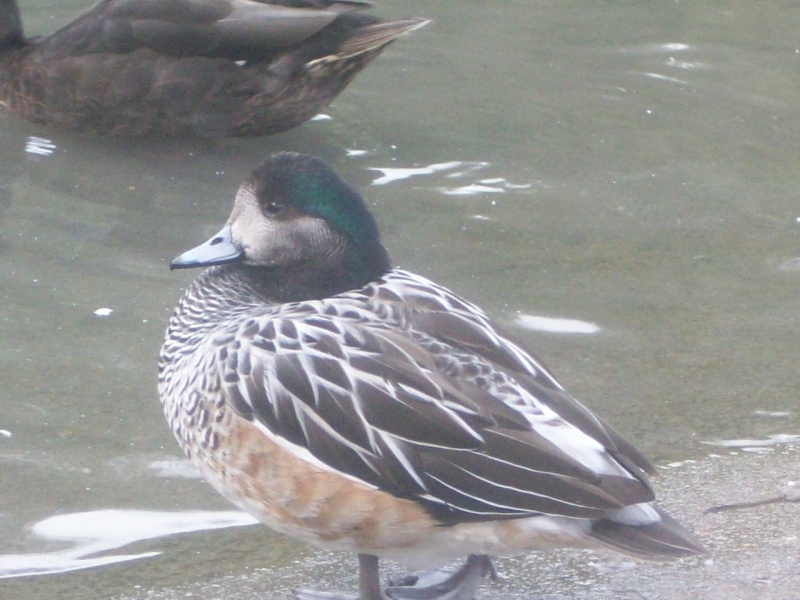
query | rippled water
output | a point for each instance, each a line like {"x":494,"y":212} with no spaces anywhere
{"x":616,"y":183}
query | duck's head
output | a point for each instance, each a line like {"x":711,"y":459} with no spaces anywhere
{"x":10,"y":25}
{"x":296,"y":215}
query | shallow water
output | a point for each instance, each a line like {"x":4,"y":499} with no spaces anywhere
{"x":616,"y":183}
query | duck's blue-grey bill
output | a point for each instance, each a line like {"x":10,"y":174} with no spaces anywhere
{"x":219,"y":250}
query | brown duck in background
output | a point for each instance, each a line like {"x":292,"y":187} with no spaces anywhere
{"x":208,"y":68}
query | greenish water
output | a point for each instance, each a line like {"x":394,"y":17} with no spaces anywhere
{"x":632,"y":165}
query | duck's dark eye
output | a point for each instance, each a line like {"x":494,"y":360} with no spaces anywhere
{"x":273,"y":208}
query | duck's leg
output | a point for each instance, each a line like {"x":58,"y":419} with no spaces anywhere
{"x":462,"y":584}
{"x":369,"y":578}
{"x":369,"y":584}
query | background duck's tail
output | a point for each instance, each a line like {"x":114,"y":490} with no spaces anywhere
{"x":661,"y":540}
{"x":378,"y":35}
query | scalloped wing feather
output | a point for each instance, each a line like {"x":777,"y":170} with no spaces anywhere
{"x":409,"y":411}
{"x":435,"y":309}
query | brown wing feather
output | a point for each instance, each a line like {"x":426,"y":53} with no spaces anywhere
{"x":380,"y":409}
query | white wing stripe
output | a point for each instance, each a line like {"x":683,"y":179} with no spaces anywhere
{"x":401,"y":458}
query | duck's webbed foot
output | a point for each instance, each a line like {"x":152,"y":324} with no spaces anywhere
{"x":462,"y":584}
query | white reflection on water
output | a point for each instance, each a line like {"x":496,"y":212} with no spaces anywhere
{"x":485,"y":186}
{"x":471,"y":190}
{"x":659,"y":48}
{"x":771,"y":414}
{"x":391,"y":174}
{"x":451,"y":170}
{"x":683,"y":64}
{"x":557,"y":325}
{"x":675,"y":47}
{"x":773,"y":440}
{"x":666,"y":78}
{"x":39,"y":146}
{"x":96,"y":532}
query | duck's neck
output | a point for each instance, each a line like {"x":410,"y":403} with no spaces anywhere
{"x":11,"y":35}
{"x":279,"y":286}
{"x":339,"y":270}
{"x":232,"y":288}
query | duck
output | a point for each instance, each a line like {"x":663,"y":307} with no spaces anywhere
{"x":360,"y":407}
{"x":199,"y":68}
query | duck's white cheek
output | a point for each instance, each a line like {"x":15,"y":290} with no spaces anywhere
{"x":283,"y":243}
{"x":265,"y":244}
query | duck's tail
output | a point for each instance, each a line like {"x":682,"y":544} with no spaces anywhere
{"x":378,"y":35}
{"x":660,"y":540}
